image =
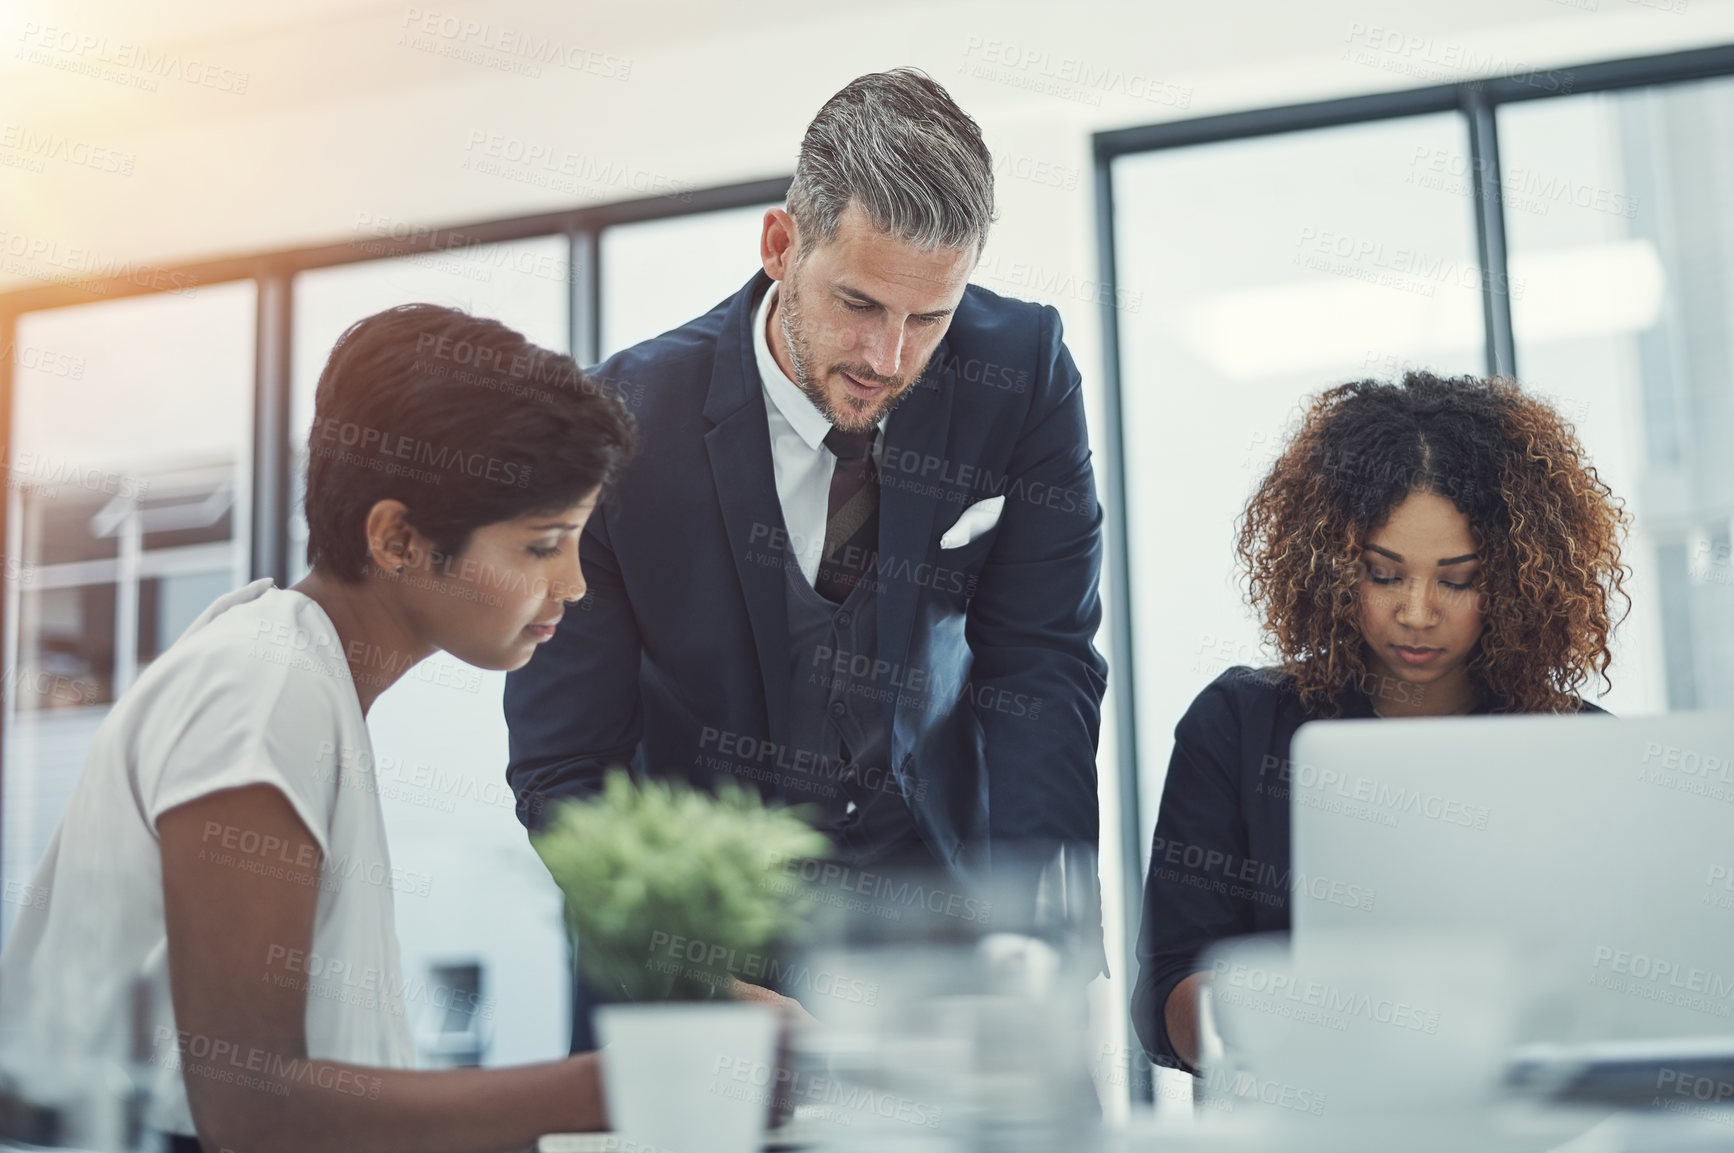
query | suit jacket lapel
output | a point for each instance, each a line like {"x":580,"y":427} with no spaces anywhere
{"x":739,"y":446}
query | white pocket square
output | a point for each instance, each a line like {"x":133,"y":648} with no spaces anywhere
{"x":976,"y":519}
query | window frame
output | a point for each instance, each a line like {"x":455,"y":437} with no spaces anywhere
{"x":273,"y":454}
{"x":134,"y":563}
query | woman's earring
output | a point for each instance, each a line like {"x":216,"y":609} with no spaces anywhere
{"x":400,"y":570}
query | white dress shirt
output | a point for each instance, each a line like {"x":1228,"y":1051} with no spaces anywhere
{"x":803,"y":464}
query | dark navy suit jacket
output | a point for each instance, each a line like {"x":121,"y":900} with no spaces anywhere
{"x":681,"y":644}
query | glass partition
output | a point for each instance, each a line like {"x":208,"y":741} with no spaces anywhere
{"x":715,"y":253}
{"x":1618,"y":209}
{"x":480,"y":924}
{"x":128,"y":485}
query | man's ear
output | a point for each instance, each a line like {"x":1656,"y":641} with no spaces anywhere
{"x":779,"y":242}
{"x":391,"y":539}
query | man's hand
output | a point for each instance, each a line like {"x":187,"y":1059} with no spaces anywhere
{"x":793,"y":1012}
{"x":793,"y":1016}
{"x":1180,"y":1014}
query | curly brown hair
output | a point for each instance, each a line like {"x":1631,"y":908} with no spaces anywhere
{"x":1547,"y":529}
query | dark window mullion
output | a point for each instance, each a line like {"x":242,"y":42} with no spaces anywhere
{"x":273,"y":458}
{"x":1487,"y":191}
{"x":584,"y":307}
{"x":1139,"y":1080}
{"x":8,"y":348}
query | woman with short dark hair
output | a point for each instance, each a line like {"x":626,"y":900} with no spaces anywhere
{"x":1426,"y":548}
{"x":225,"y":851}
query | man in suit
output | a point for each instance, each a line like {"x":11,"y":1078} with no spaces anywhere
{"x":855,"y":559}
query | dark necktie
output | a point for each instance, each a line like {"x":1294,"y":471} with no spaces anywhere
{"x":852,"y":516}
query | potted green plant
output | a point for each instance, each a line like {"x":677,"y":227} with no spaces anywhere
{"x":676,"y":894}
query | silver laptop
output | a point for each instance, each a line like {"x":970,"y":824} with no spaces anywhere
{"x":1599,"y":849}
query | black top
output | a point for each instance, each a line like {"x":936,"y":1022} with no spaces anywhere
{"x":1220,"y":861}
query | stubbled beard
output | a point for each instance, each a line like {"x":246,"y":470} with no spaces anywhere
{"x":859,"y":415}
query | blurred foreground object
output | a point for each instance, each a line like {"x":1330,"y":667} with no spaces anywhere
{"x":61,"y":1100}
{"x":951,"y":1018}
{"x":1375,"y":1040}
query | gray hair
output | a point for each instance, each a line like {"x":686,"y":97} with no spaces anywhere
{"x":897,"y":144}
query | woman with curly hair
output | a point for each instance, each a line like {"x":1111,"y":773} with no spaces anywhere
{"x":1428,"y":548}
